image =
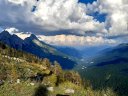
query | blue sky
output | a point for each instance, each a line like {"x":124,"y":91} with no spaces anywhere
{"x":98,"y":16}
{"x":1,"y":29}
{"x":86,"y":1}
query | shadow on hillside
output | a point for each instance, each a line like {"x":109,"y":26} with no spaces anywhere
{"x":41,"y":91}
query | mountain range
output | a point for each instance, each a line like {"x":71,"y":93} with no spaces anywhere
{"x":34,"y":46}
{"x":106,"y":67}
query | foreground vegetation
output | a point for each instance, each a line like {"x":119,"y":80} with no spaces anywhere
{"x":23,"y":74}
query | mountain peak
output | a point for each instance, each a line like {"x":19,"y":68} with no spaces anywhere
{"x":32,"y":36}
{"x":5,"y":34}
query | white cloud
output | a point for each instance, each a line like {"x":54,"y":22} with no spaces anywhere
{"x":17,"y":1}
{"x":12,"y":30}
{"x":117,"y":15}
{"x":49,"y":15}
{"x":75,"y":41}
{"x":59,"y":15}
{"x":15,"y":31}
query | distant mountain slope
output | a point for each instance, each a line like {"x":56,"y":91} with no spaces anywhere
{"x":108,"y":70}
{"x":33,"y":45}
{"x":115,"y":55}
{"x":70,"y":51}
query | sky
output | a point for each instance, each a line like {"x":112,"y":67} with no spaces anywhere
{"x":86,"y":1}
{"x":1,"y":29}
{"x":67,"y":22}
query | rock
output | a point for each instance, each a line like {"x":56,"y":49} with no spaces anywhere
{"x":69,"y":91}
{"x":50,"y":89}
{"x":18,"y":81}
{"x":32,"y":84}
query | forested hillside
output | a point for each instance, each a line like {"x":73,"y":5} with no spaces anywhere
{"x":23,"y":74}
{"x":108,"y":69}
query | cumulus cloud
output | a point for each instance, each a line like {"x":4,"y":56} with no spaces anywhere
{"x":76,"y":41}
{"x":64,"y":19}
{"x":117,"y":15}
{"x":48,"y":15}
{"x":12,"y":30}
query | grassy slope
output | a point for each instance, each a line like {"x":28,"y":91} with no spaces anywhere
{"x":11,"y":70}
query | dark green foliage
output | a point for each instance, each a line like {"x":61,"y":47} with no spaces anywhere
{"x":108,"y":76}
{"x":41,"y":91}
{"x":2,"y":46}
